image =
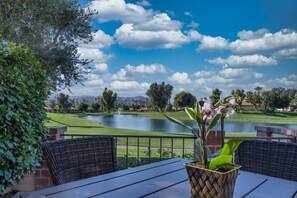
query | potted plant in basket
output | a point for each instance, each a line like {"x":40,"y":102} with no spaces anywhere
{"x":211,"y":176}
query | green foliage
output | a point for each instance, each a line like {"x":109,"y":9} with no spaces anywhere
{"x":255,"y":98}
{"x":206,"y":115}
{"x":160,"y":95}
{"x":215,"y":96}
{"x":95,"y":106}
{"x":107,"y":101}
{"x":53,"y":30}
{"x":240,"y":94}
{"x":82,"y":106}
{"x":52,"y":105}
{"x":275,"y":98}
{"x":22,"y":113}
{"x":64,"y":103}
{"x":226,"y":154}
{"x":184,"y":99}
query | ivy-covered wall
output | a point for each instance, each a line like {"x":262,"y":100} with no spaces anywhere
{"x":23,"y":92}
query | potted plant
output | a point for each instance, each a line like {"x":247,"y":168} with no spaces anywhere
{"x":211,"y":176}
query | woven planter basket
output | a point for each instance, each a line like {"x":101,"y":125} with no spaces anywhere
{"x":208,"y":183}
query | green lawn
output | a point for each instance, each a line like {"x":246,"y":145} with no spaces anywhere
{"x":77,"y":125}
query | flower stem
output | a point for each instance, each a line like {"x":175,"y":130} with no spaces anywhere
{"x":222,"y":130}
{"x":204,"y":149}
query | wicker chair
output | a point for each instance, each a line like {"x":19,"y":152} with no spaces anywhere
{"x":79,"y":158}
{"x":276,"y":159}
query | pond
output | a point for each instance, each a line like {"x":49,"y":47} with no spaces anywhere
{"x":138,"y":122}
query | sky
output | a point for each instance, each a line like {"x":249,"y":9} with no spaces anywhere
{"x":196,"y":46}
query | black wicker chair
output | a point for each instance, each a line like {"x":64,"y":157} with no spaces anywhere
{"x":79,"y":158}
{"x":276,"y":159}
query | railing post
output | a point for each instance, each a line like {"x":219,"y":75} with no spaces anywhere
{"x":138,"y":151}
{"x":171,"y":147}
{"x":160,"y":148}
{"x":127,"y":142}
{"x":183,"y":148}
{"x":149,"y":150}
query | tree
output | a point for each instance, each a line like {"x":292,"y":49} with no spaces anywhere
{"x":160,"y":95}
{"x":184,"y":99}
{"x":95,"y":106}
{"x":23,"y":92}
{"x":53,"y":30}
{"x":255,"y":98}
{"x":268,"y":101}
{"x":52,"y":105}
{"x":282,"y":98}
{"x":258,"y":90}
{"x":63,"y":103}
{"x":216,"y":94}
{"x":83,"y":106}
{"x":240,"y":95}
{"x":107,"y":101}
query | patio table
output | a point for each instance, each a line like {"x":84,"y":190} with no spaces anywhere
{"x":166,"y":178}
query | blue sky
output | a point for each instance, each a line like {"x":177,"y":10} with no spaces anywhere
{"x":195,"y":46}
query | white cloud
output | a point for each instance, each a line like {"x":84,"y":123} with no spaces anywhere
{"x":200,"y":81}
{"x":286,"y":53}
{"x":262,"y":41}
{"x":93,"y":54}
{"x":93,"y":80}
{"x":180,"y":78}
{"x":143,"y":28}
{"x":212,"y":43}
{"x":159,"y":22}
{"x":100,"y":40}
{"x":146,"y":69}
{"x":108,"y":10}
{"x":193,"y":25}
{"x":143,"y":3}
{"x":92,"y":50}
{"x":128,"y":85}
{"x":248,"y":60}
{"x":219,"y":79}
{"x":101,"y":67}
{"x":249,"y":35}
{"x":213,"y":80}
{"x":193,"y":35}
{"x":258,"y":75}
{"x":233,"y":72}
{"x":244,"y":73}
{"x":120,"y":75}
{"x":188,"y":14}
{"x":290,"y":81}
{"x":127,"y":36}
{"x":201,"y":74}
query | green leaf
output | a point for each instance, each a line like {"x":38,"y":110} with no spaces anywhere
{"x":219,"y":161}
{"x":191,"y":113}
{"x":230,"y":147}
{"x":213,"y":122}
{"x":198,"y":115}
{"x":178,"y":122}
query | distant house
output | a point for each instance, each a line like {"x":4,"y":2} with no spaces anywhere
{"x":246,"y":106}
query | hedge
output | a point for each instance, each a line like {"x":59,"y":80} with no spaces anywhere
{"x":23,"y":92}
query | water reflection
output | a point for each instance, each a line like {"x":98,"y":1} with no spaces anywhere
{"x":138,"y":122}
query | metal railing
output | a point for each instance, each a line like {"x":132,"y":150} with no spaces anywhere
{"x":133,"y":150}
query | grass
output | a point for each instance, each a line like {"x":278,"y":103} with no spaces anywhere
{"x":77,"y":125}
